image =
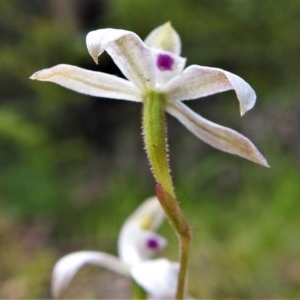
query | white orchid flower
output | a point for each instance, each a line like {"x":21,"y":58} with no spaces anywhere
{"x":137,"y":243}
{"x":155,"y":68}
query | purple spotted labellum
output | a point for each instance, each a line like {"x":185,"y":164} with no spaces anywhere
{"x":165,"y":62}
{"x":152,"y":243}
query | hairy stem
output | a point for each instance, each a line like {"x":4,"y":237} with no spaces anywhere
{"x":155,"y":139}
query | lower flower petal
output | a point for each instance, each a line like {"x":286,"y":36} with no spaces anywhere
{"x":67,"y":267}
{"x":197,"y":81}
{"x":222,"y":138}
{"x":157,"y":277}
{"x":89,"y":82}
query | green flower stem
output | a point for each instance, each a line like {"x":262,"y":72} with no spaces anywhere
{"x":154,"y":130}
{"x":155,"y":139}
{"x":138,"y":292}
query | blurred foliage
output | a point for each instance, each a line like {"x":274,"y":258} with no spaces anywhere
{"x":72,"y":167}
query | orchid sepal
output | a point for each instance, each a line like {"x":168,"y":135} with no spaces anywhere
{"x":165,"y":38}
{"x":219,"y":137}
{"x":88,"y":82}
{"x":66,"y":268}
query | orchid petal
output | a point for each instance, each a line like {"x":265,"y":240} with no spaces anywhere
{"x":149,"y":215}
{"x":89,"y":82}
{"x":197,"y":81}
{"x":136,"y":245}
{"x":67,"y":267}
{"x":164,"y":38}
{"x":157,"y":277}
{"x":127,"y":50}
{"x":222,"y":138}
{"x":137,"y":240}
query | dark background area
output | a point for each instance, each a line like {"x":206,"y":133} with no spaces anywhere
{"x":72,"y":167}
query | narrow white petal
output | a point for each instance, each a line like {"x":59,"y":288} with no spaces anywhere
{"x":149,"y":215}
{"x":157,"y":277}
{"x":89,"y":82}
{"x":67,"y":267}
{"x":222,"y":138}
{"x":127,"y":50}
{"x":165,"y":38}
{"x":197,"y":81}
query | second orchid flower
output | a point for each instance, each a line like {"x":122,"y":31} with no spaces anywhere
{"x":137,"y":245}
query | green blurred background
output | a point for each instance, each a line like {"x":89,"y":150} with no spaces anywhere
{"x":72,"y":167}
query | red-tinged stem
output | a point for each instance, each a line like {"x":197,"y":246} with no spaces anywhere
{"x":183,"y":231}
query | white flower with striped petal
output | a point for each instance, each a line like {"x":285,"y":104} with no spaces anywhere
{"x":156,"y":66}
{"x":137,"y":243}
